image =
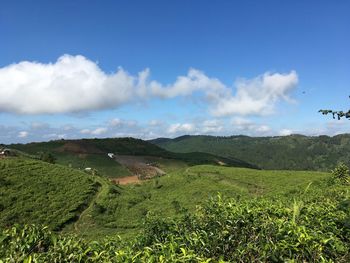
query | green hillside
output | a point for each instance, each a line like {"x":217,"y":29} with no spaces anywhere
{"x":93,"y":153}
{"x":37,"y":192}
{"x":194,"y":213}
{"x":294,"y":152}
{"x":274,"y":216}
{"x":121,"y":209}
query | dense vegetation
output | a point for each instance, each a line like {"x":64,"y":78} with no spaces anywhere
{"x":38,"y":192}
{"x":294,"y":152}
{"x":312,"y":227}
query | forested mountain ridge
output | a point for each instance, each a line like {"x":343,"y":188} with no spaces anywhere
{"x":294,"y":152}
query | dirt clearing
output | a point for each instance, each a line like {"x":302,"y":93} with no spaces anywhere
{"x":127,"y":180}
{"x":141,"y":167}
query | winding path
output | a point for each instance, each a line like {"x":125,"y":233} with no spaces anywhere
{"x":103,"y":189}
{"x":85,"y":217}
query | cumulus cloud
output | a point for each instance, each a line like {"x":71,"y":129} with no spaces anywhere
{"x":77,"y":84}
{"x":72,"y":84}
{"x":285,"y":132}
{"x":211,"y":126}
{"x":185,"y":85}
{"x":257,"y":96}
{"x":181,"y":128}
{"x":246,"y":126}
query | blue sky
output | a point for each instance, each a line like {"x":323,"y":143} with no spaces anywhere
{"x":73,"y":69}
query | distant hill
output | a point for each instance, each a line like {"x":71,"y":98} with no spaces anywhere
{"x":93,"y":153}
{"x":294,"y":152}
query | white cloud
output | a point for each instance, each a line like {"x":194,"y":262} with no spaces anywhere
{"x":186,"y":85}
{"x":23,"y":134}
{"x":97,"y":131}
{"x":285,"y":132}
{"x":76,"y":84}
{"x":116,"y":122}
{"x":181,"y":128}
{"x":55,"y":136}
{"x":248,"y":127}
{"x":72,"y":84}
{"x":263,"y":129}
{"x":331,"y":127}
{"x":206,"y":127}
{"x":211,"y":126}
{"x":257,"y":96}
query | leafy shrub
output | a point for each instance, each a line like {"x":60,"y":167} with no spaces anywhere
{"x":341,"y":173}
{"x":259,"y":230}
{"x":312,"y":226}
{"x":223,"y":230}
{"x":32,"y":243}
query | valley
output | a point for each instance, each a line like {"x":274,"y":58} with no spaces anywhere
{"x":121,"y":194}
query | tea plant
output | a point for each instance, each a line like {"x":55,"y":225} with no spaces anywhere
{"x":341,"y":174}
{"x":314,"y":228}
{"x":33,"y":191}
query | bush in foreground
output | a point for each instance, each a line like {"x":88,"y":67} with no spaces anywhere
{"x":341,"y":174}
{"x":314,"y":228}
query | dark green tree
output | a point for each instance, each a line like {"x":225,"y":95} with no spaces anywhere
{"x":337,"y":114}
{"x":47,"y":157}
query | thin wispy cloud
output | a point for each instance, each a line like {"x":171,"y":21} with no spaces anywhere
{"x":97,"y":131}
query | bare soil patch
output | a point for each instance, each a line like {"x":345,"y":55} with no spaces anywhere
{"x":134,"y":179}
{"x":141,"y":167}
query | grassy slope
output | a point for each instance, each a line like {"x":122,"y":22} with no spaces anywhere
{"x":295,"y":152}
{"x":37,"y":192}
{"x":122,"y":209}
{"x":101,"y":162}
{"x":291,"y":223}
